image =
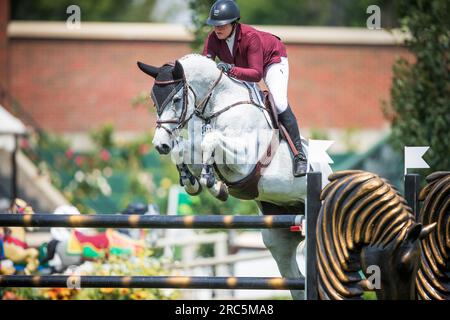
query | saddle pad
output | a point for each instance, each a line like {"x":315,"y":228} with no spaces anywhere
{"x":257,"y":96}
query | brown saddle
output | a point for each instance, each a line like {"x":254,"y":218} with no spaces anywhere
{"x":271,"y":110}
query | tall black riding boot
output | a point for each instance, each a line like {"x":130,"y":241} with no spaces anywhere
{"x":288,"y":120}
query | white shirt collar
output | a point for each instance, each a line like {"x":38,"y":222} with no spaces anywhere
{"x":230,"y":41}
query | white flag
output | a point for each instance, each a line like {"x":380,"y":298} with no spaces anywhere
{"x":413,"y":158}
{"x":317,"y":151}
{"x":319,"y":159}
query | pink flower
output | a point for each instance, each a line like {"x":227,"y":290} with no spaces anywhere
{"x":105,"y":155}
{"x":69,"y":154}
{"x":24,"y":144}
{"x":79,"y":160}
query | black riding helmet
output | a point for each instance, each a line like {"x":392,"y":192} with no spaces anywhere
{"x":223,"y":12}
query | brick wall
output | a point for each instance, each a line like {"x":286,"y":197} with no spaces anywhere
{"x":341,"y":86}
{"x":4,"y":17}
{"x":73,"y":85}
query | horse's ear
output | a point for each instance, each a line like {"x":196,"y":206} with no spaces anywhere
{"x":150,"y":70}
{"x":178,"y":71}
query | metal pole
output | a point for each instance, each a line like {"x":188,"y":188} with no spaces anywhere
{"x":412,"y":187}
{"x":74,"y":281}
{"x":150,"y":221}
{"x":14,"y":171}
{"x":314,"y":187}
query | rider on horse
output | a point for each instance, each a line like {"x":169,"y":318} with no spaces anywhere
{"x":251,"y":55}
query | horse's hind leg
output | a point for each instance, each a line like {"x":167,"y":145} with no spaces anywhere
{"x":283,"y":245}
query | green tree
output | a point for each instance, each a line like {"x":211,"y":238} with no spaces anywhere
{"x":315,"y":12}
{"x":350,"y":13}
{"x":98,"y":10}
{"x":303,"y":12}
{"x":420,"y":96}
{"x":199,"y":14}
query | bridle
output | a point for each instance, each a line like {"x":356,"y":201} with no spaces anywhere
{"x":199,"y":108}
{"x":182,"y":120}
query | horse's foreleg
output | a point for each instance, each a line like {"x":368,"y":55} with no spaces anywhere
{"x":207,"y":179}
{"x":217,"y":188}
{"x":188,"y":180}
{"x":283,"y":247}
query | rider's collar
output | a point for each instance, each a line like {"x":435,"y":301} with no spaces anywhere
{"x":232,"y":36}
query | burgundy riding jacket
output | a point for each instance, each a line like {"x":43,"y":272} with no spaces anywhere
{"x":254,"y":51}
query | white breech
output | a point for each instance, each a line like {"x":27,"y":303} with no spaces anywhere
{"x":276,"y":79}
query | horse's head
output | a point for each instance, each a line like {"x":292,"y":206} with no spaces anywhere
{"x":397,"y":263}
{"x":170,"y":94}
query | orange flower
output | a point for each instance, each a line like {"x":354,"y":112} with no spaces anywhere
{"x":107,"y":290}
{"x":8,"y":295}
{"x":124,"y":291}
{"x":52,"y":294}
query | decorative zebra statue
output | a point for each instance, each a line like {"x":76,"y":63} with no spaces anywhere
{"x":433,"y":277}
{"x":364,"y":223}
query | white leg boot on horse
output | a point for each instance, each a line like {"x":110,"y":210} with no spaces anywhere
{"x":216,"y":187}
{"x":188,"y":181}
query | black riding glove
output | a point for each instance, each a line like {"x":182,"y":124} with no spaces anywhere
{"x":225,"y":67}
